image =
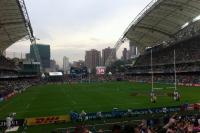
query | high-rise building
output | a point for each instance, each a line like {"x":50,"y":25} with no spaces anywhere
{"x":79,"y":64}
{"x":27,"y":56}
{"x":106,"y":53}
{"x":125,"y":54}
{"x":43,"y":51}
{"x":66,"y":65}
{"x":92,"y":59}
{"x":53,"y":66}
{"x":133,"y":50}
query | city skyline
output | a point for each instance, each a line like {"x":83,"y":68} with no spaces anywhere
{"x":73,"y":27}
{"x":104,"y":53}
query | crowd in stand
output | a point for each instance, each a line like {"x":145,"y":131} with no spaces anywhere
{"x":167,"y":124}
{"x":10,"y":82}
{"x":16,"y":85}
{"x":185,"y":79}
{"x":6,"y":63}
{"x":7,"y":73}
{"x":186,"y":51}
{"x":92,"y":78}
{"x":187,"y":59}
{"x":173,"y":124}
{"x":167,"y":68}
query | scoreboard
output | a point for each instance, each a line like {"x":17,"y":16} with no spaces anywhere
{"x":101,"y":70}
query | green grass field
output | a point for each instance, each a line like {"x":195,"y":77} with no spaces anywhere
{"x":45,"y":100}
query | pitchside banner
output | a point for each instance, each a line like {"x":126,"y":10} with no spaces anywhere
{"x":123,"y":113}
{"x":19,"y":122}
{"x":100,"y":70}
{"x":188,"y":84}
{"x":93,"y":116}
{"x":47,"y":120}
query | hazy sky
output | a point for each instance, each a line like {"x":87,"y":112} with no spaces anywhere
{"x":73,"y":26}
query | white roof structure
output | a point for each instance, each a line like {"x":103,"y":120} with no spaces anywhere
{"x":161,"y":20}
{"x":14,"y":22}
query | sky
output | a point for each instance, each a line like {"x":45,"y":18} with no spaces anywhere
{"x":73,"y":26}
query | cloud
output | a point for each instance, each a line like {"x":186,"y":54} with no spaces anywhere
{"x":73,"y":26}
{"x":95,"y":39}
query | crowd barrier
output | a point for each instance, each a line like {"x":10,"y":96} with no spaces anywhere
{"x":9,"y":96}
{"x":119,"y":113}
{"x":47,"y":120}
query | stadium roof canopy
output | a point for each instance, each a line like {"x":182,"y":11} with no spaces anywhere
{"x":14,"y":22}
{"x":161,"y":20}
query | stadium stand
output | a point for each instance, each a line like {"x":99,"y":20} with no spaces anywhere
{"x":186,"y":51}
{"x":187,"y":63}
{"x":146,"y":30}
{"x":14,"y":25}
{"x":7,"y":68}
{"x":156,"y":29}
{"x":11,"y":87}
{"x":6,"y":63}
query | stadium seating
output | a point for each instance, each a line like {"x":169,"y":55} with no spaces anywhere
{"x":15,"y":85}
{"x":6,"y":63}
{"x":186,"y":51}
{"x":187,"y":63}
